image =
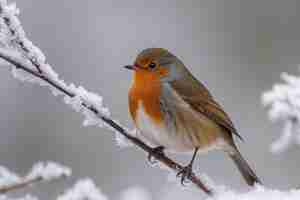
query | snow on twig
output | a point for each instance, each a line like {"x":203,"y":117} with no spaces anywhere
{"x":29,"y":64}
{"x":258,"y":193}
{"x":283,"y":102}
{"x":48,"y":171}
{"x":83,"y":190}
{"x":135,"y":193}
{"x":26,"y":197}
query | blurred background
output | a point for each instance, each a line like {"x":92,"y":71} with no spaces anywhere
{"x":237,"y":48}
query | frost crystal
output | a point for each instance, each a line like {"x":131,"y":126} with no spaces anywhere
{"x":122,"y":141}
{"x":7,"y":177}
{"x":83,"y":190}
{"x":258,"y":193}
{"x":135,"y":193}
{"x":283,"y":102}
{"x":49,"y":171}
{"x":82,"y":96}
{"x":27,"y":197}
{"x":9,"y":181}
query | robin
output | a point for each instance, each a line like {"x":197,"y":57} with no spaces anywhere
{"x":174,"y":111}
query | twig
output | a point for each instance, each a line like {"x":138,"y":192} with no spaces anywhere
{"x":14,"y":57}
{"x":24,"y":183}
{"x":20,"y":185}
{"x":41,"y":172}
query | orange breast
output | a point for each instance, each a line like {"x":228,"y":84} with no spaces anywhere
{"x":145,"y":91}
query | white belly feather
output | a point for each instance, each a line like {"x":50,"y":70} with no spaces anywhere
{"x":157,"y":135}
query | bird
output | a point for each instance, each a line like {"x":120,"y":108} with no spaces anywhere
{"x":175,"y":112}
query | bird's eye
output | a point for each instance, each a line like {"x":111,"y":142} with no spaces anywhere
{"x":152,"y":65}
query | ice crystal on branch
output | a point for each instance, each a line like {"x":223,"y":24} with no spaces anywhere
{"x":7,"y":177}
{"x":83,"y":190}
{"x":259,"y":193}
{"x":48,"y":171}
{"x":26,"y":197}
{"x":135,"y":193}
{"x":283,"y":102}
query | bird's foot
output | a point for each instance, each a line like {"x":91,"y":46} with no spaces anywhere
{"x":185,"y":173}
{"x":159,"y":151}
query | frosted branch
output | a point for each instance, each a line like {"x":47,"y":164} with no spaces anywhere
{"x":283,"y":102}
{"x":29,"y":64}
{"x":40,"y":172}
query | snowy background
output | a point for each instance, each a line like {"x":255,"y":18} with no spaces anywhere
{"x":237,"y":49}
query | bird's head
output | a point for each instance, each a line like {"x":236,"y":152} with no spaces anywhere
{"x":158,"y":63}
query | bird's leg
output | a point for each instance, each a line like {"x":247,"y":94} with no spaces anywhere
{"x":186,"y":172}
{"x":155,"y":151}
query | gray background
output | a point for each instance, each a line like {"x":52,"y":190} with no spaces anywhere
{"x":237,"y":48}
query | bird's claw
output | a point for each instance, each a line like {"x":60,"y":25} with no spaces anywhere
{"x":155,"y":151}
{"x":185,"y":174}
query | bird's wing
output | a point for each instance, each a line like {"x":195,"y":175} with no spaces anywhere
{"x":199,"y":98}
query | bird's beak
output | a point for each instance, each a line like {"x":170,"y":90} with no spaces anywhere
{"x":130,"y":67}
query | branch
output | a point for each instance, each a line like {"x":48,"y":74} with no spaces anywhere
{"x":17,"y":50}
{"x":19,"y":185}
{"x":40,"y":172}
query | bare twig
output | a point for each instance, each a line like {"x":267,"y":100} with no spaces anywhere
{"x":14,"y":57}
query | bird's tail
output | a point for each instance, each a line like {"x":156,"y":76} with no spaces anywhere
{"x":244,"y":168}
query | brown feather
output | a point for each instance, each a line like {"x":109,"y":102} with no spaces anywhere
{"x":199,"y":98}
